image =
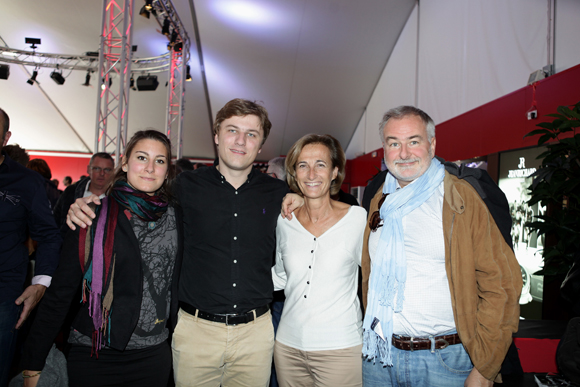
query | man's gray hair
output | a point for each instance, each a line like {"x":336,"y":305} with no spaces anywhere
{"x":406,"y":111}
{"x":279,"y":166}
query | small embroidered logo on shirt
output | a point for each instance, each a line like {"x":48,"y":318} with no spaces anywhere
{"x":14,"y":199}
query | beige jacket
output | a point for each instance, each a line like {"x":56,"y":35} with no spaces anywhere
{"x":484,"y":276}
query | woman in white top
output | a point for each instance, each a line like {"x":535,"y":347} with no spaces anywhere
{"x":318,"y":252}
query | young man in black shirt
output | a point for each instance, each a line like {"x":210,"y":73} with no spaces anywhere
{"x":224,"y":334}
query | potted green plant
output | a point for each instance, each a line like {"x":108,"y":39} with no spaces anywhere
{"x":556,"y":185}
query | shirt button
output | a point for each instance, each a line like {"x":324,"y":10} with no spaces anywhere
{"x":235,"y":214}
{"x":311,"y":251}
{"x":235,"y":306}
{"x":234,"y":285}
{"x":235,"y":261}
{"x":308,"y":282}
{"x":305,"y":296}
{"x":235,"y":238}
{"x":236,"y":192}
{"x":310,"y":267}
{"x":314,"y":238}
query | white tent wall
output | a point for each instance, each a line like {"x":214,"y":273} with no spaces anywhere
{"x":470,"y":53}
{"x":396,"y":86}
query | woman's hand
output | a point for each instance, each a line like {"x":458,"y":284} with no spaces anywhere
{"x":80,"y":213}
{"x":290,"y":203}
{"x":31,"y":381}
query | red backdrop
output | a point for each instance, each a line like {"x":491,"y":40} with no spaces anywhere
{"x":499,"y":125}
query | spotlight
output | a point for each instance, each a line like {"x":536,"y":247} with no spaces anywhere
{"x":165,"y":28}
{"x":57,"y":77}
{"x":178,"y":46}
{"x":103,"y":87}
{"x":148,"y":5}
{"x":147,"y":82}
{"x":32,"y":78}
{"x":4,"y":71}
{"x":33,"y":42}
{"x":145,"y":12}
{"x":172,"y":40}
{"x":87,"y":79}
{"x":188,"y":75}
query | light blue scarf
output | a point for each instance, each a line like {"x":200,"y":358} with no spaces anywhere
{"x":389,"y":265}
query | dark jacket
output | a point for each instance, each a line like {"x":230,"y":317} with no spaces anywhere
{"x":66,"y":289}
{"x":24,"y":211}
{"x":68,"y":197}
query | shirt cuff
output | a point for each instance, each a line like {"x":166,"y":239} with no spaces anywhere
{"x":42,"y":280}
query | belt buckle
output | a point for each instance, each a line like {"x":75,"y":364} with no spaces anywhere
{"x":445,"y":343}
{"x":411,"y":344}
{"x":228,"y":317}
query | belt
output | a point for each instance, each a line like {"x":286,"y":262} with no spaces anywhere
{"x":228,"y":319}
{"x":415,"y":344}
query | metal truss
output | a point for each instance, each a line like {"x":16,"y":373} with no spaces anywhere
{"x":39,"y":59}
{"x":114,"y":58}
{"x":156,"y":64}
{"x":179,"y":42}
{"x":175,"y":96}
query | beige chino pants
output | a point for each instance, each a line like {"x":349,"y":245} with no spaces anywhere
{"x":332,"y":368}
{"x":210,"y":354}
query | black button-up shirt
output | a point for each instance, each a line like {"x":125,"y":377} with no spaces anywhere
{"x":24,"y":210}
{"x":229,"y":239}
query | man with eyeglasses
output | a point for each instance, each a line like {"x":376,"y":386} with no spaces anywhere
{"x":441,"y":283}
{"x":100,"y":170}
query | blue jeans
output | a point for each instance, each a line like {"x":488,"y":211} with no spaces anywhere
{"x":445,"y":367}
{"x":9,"y":313}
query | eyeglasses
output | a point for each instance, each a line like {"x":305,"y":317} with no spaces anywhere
{"x":375,"y":220}
{"x":99,"y":170}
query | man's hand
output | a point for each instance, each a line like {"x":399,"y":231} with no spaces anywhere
{"x":290,"y":203}
{"x":30,"y":298}
{"x":475,"y":379}
{"x":80,"y":213}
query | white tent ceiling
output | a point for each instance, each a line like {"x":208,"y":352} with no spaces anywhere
{"x":313,"y":64}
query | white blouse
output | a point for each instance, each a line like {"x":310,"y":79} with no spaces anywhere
{"x":320,"y":280}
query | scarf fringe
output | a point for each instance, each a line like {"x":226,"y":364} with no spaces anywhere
{"x":376,"y":348}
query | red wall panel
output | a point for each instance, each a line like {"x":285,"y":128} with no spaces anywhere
{"x":61,"y":165}
{"x":497,"y":126}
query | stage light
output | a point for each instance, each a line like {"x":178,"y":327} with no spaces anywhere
{"x":188,"y":75}
{"x":87,"y":79}
{"x":172,"y":40}
{"x":33,"y":42}
{"x":148,"y":5}
{"x":178,"y":47}
{"x":147,"y":82}
{"x":4,"y":71}
{"x":145,"y":12}
{"x":32,"y":78}
{"x":57,"y":77}
{"x":165,"y":28}
{"x":103,"y":87}
{"x":132,"y":83}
